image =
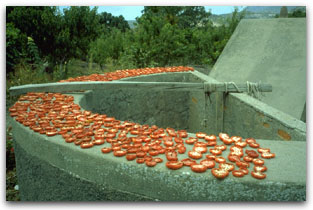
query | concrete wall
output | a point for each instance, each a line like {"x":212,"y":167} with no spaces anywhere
{"x":48,"y":168}
{"x":272,"y":51}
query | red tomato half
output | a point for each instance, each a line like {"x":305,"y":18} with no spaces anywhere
{"x":258,"y":175}
{"x":219,"y":173}
{"x":174,"y":165}
{"x":198,"y":168}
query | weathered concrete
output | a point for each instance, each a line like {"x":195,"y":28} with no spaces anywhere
{"x":51,"y":169}
{"x":272,"y":51}
{"x":245,"y":116}
{"x":90,"y":175}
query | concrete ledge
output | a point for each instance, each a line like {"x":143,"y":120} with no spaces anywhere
{"x":286,"y":176}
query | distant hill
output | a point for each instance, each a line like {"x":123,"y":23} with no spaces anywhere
{"x":268,"y":9}
{"x":131,"y":23}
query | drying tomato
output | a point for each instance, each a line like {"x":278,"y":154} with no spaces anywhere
{"x":200,"y":144}
{"x":236,"y":138}
{"x":200,"y":149}
{"x":254,"y":145}
{"x":181,"y":150}
{"x":223,"y":136}
{"x":191,"y":140}
{"x":195,"y":154}
{"x":210,"y":157}
{"x":247,"y":158}
{"x":258,"y":162}
{"x":208,"y":163}
{"x":219,"y":173}
{"x":258,"y":175}
{"x":227,"y":141}
{"x":140,"y":160}
{"x":86,"y":144}
{"x":252,"y":153}
{"x":242,"y":164}
{"x":210,"y":138}
{"x":244,"y":170}
{"x":188,"y":162}
{"x":216,"y":151}
{"x":198,"y":168}
{"x":264,"y":150}
{"x":51,"y":133}
{"x":250,"y":140}
{"x":151,"y":163}
{"x":119,"y":153}
{"x":158,"y":160}
{"x":260,"y":168}
{"x":220,"y":147}
{"x":131,"y":157}
{"x":171,"y":156}
{"x":174,"y":165}
{"x":227,"y":166}
{"x":211,"y":143}
{"x":153,"y":152}
{"x":268,"y":155}
{"x":140,"y":153}
{"x":233,"y":158}
{"x":220,"y":160}
{"x":238,"y":173}
{"x":200,"y":135}
{"x":241,"y":144}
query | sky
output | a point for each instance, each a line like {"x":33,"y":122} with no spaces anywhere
{"x":131,"y":12}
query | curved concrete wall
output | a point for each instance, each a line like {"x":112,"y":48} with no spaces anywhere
{"x":48,"y":168}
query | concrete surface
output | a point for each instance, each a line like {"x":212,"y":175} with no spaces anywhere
{"x":48,"y":168}
{"x":272,"y":51}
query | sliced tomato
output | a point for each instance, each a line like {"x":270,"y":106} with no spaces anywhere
{"x":188,"y":162}
{"x":248,"y":158}
{"x":208,"y":163}
{"x":264,"y":150}
{"x":200,"y":149}
{"x":131,"y":157}
{"x":215,"y":151}
{"x":119,"y":153}
{"x":219,"y":173}
{"x":241,"y":144}
{"x":198,"y":168}
{"x":106,"y":149}
{"x":140,"y":160}
{"x":191,"y":140}
{"x":200,"y":135}
{"x":233,"y":158}
{"x":242,"y":164}
{"x":236,"y":138}
{"x":195,"y":154}
{"x":210,"y":157}
{"x":238,"y":173}
{"x":258,"y":175}
{"x":174,"y":165}
{"x":151,"y":163}
{"x":220,"y":159}
{"x":158,"y":160}
{"x":210,"y":138}
{"x":268,"y":155}
{"x":250,"y":140}
{"x":258,"y":162}
{"x":153,"y":152}
{"x":227,"y":166}
{"x":200,"y":144}
{"x":252,"y":153}
{"x":223,"y":136}
{"x":221,"y":147}
{"x":260,"y":168}
{"x":244,"y":170}
{"x":86,"y":144}
{"x":254,"y":145}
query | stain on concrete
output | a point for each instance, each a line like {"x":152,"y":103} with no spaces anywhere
{"x":194,"y":100}
{"x":284,"y":135}
{"x":266,"y":125}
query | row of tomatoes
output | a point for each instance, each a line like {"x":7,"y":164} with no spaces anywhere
{"x":119,"y":74}
{"x":57,"y":114}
